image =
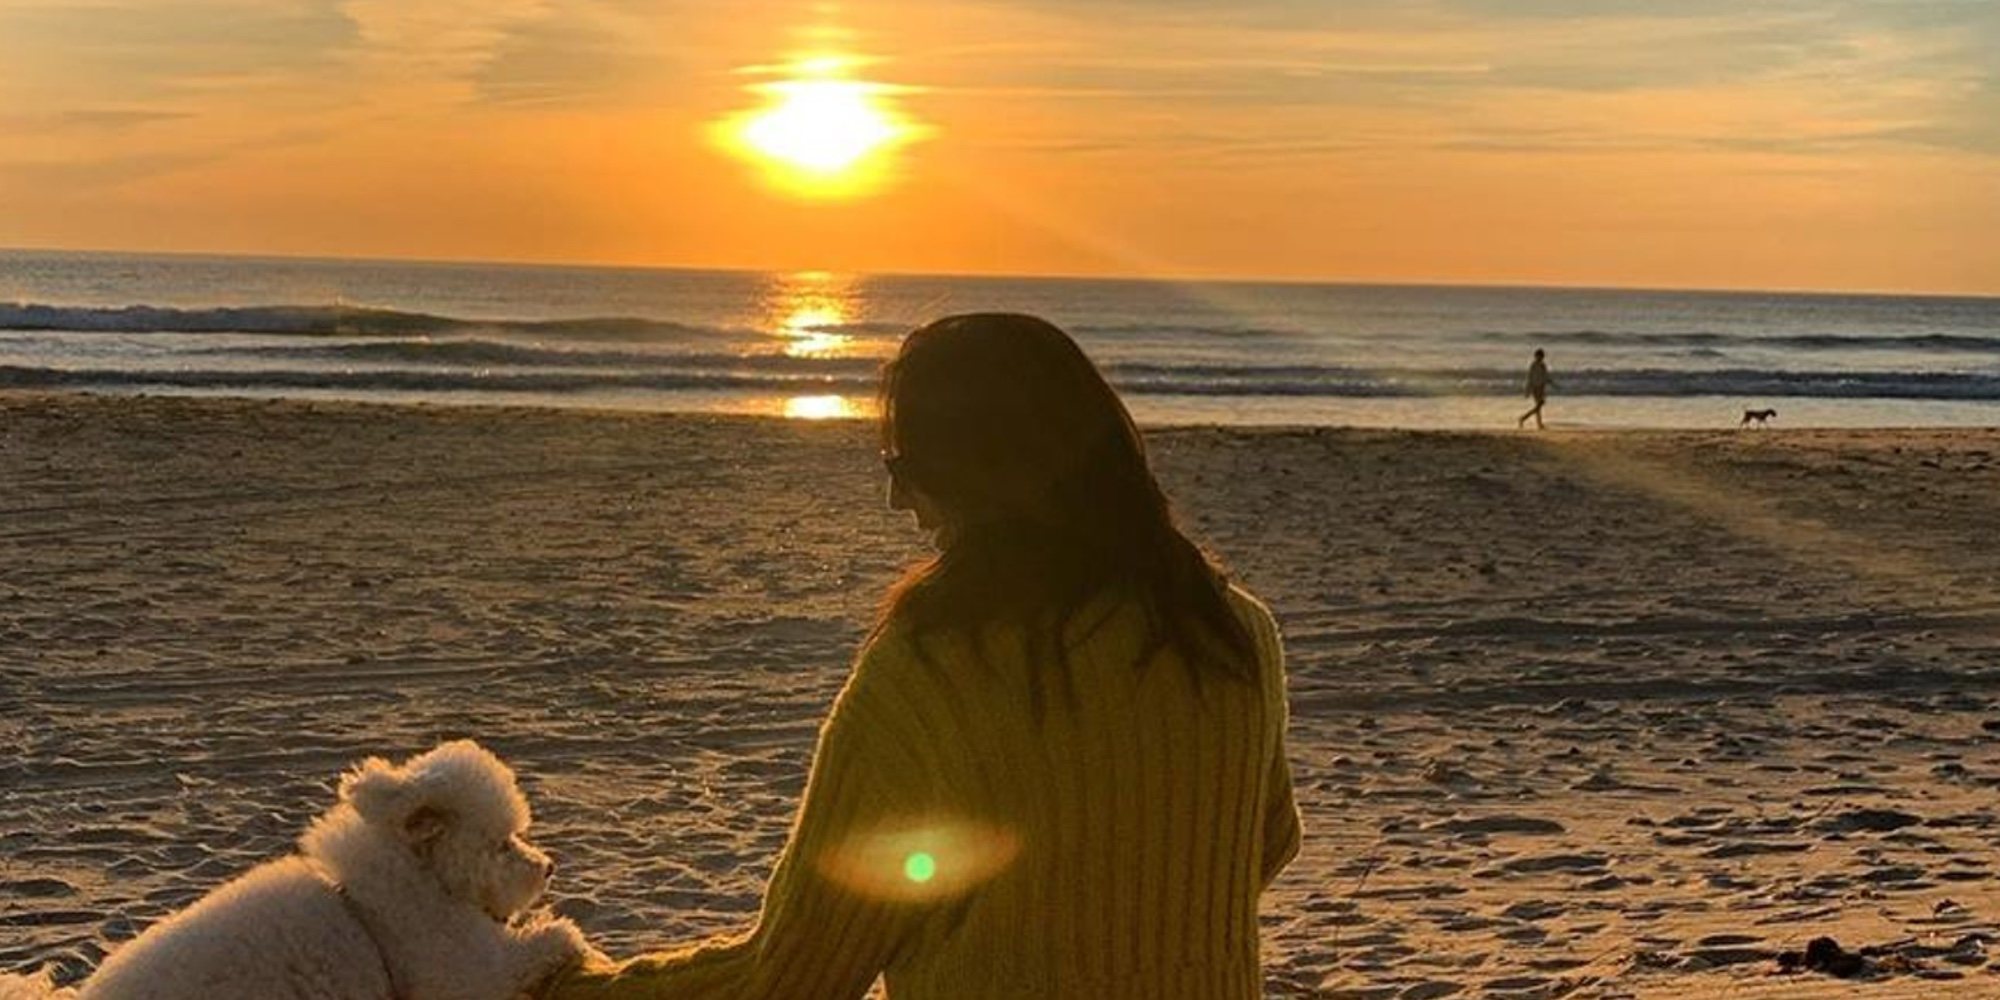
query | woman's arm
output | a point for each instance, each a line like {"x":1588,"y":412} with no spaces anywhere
{"x":1283,"y":828}
{"x":817,"y":937}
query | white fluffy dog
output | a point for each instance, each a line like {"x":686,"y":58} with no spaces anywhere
{"x":406,"y":890}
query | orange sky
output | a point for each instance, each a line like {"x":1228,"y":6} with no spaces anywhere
{"x":1842,"y":145}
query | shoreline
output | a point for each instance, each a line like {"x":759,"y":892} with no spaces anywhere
{"x":1603,"y":713}
{"x":504,"y":408}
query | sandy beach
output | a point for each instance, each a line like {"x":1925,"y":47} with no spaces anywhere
{"x":1590,"y":714}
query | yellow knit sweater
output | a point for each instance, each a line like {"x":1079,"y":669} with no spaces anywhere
{"x":960,"y":848}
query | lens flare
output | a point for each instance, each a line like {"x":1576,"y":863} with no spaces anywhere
{"x":921,"y":861}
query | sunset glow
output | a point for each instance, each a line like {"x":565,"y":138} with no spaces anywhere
{"x":1832,"y":144}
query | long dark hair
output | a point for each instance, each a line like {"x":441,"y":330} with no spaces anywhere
{"x":1001,"y":421}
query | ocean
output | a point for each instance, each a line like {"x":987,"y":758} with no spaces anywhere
{"x":808,"y":345}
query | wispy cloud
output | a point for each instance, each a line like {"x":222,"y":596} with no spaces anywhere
{"x":567,"y":57}
{"x":124,"y":51}
{"x":97,"y":120}
{"x":1806,"y":77}
{"x":431,"y":53}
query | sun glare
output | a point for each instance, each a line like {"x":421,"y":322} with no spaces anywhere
{"x":820,"y":126}
{"x":821,"y":134}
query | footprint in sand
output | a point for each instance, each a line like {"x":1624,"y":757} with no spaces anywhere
{"x":1534,"y":910}
{"x":1431,"y":990}
{"x":36,"y":888}
{"x":1536,"y":864}
{"x":1867,"y":820}
{"x":1504,"y":823}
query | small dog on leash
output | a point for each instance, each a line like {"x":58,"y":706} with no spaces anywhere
{"x":1758,"y":417}
{"x":408,"y":888}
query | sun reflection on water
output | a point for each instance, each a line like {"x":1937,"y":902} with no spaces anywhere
{"x":809,"y":309}
{"x":816,"y":316}
{"x":829,"y":407}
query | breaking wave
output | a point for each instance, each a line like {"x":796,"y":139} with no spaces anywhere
{"x":855,"y":376}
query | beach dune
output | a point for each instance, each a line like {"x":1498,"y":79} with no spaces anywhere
{"x":1574,"y":714}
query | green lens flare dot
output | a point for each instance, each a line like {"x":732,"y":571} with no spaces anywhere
{"x":919,"y":867}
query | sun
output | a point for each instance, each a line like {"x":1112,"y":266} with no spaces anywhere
{"x":820,"y":133}
{"x":820,"y":126}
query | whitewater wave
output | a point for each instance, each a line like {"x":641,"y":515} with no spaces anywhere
{"x":481,"y":353}
{"x":394,"y":381}
{"x":332,"y":320}
{"x":1306,"y":380}
{"x":1933,"y":342}
{"x":363,"y":321}
{"x":1222,"y":330}
{"x":359,"y":321}
{"x":361,"y":350}
{"x":1288,"y":381}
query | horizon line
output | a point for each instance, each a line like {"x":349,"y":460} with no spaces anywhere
{"x":1164,"y":279}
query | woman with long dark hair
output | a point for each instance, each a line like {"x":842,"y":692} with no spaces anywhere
{"x":1058,"y":768}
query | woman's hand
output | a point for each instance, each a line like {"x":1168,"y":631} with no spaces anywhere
{"x":584,"y":979}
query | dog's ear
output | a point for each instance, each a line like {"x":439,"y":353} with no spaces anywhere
{"x":425,"y":824}
{"x":378,"y":791}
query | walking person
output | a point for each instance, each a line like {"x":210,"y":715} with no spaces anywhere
{"x":1057,"y":771}
{"x":1538,"y":390}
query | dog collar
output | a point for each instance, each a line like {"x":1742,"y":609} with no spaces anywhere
{"x":368,"y":929}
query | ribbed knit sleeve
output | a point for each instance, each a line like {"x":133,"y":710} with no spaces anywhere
{"x":826,"y":930}
{"x":1283,"y":827}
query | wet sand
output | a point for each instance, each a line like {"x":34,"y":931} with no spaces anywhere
{"x":1619,"y":714}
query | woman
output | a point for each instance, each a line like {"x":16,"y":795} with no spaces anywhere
{"x":1058,"y":767}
